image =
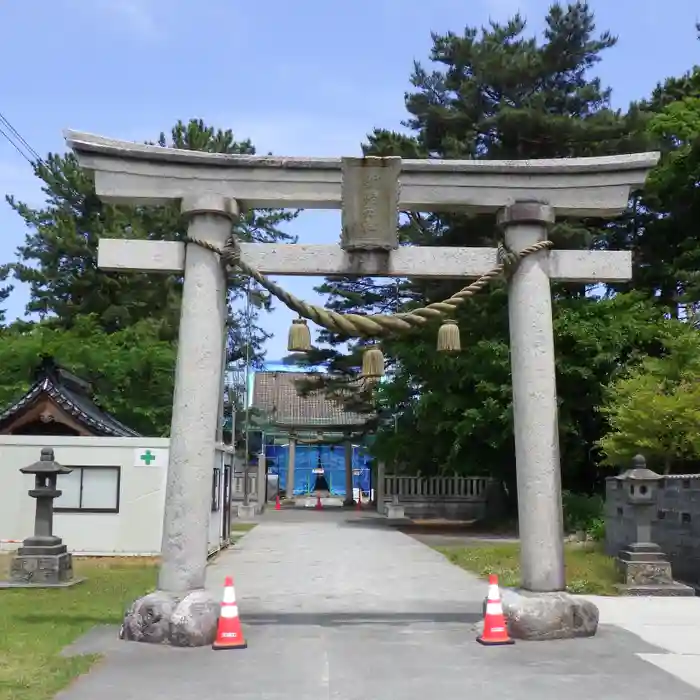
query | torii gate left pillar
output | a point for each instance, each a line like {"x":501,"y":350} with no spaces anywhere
{"x":212,"y":187}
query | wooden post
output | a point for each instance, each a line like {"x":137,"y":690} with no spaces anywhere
{"x":379,"y":488}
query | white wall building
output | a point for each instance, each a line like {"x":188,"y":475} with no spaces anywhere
{"x":113,"y":500}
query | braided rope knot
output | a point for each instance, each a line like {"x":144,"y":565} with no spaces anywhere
{"x":232,"y":252}
{"x":508,"y":259}
{"x":378,"y":325}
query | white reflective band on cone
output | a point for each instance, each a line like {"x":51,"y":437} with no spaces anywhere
{"x":229,"y":611}
{"x":494,"y":593}
{"x":494,"y":609}
{"x":229,"y":595}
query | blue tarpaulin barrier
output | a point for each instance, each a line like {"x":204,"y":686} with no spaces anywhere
{"x":331,"y":458}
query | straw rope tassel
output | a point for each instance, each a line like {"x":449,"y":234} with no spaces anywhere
{"x":448,"y":339}
{"x":299,"y":339}
{"x":373,"y":363}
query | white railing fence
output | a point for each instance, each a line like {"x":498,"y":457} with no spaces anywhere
{"x":435,"y":487}
{"x":449,"y":497}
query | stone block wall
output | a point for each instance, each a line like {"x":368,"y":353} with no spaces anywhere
{"x":675,"y":528}
{"x":427,"y":508}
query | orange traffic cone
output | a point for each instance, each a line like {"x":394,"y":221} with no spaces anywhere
{"x":359,"y":500}
{"x":495,"y":629}
{"x":278,"y":505}
{"x":229,"y":633}
{"x":319,"y":505}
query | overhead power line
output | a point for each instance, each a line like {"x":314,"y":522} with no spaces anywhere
{"x":18,"y":142}
{"x":16,"y":147}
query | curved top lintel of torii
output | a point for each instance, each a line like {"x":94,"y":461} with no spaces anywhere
{"x":132,"y":173}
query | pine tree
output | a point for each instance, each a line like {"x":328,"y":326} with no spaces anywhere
{"x":59,"y":256}
{"x":5,"y":291}
{"x":494,"y":94}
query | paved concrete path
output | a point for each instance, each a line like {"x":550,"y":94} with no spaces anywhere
{"x":672,"y":625}
{"x":339,"y":607}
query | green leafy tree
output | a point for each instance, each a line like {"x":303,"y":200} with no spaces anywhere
{"x":458,"y":417}
{"x":660,"y":228}
{"x":654,"y":408}
{"x":131,"y":369}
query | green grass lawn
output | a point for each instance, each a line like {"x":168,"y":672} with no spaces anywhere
{"x":588,"y":569}
{"x":36,"y":624}
{"x":238,"y":530}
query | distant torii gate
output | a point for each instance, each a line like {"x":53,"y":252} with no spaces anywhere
{"x":213,"y":188}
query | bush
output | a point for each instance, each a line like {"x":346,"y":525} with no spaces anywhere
{"x":596,"y":530}
{"x":582,"y":512}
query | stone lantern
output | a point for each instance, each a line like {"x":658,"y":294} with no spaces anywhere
{"x":641,"y":486}
{"x":43,"y":561}
{"x":644,"y":567}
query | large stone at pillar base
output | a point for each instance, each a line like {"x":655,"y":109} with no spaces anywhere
{"x":547,"y":616}
{"x":185,"y":620}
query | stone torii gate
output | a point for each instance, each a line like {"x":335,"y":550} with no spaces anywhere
{"x":213,"y":188}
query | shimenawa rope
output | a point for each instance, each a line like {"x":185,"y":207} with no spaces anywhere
{"x":379,"y":325}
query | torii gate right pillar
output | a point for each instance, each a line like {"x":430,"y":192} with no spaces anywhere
{"x":535,"y":420}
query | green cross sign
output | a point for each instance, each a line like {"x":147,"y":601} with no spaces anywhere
{"x":148,"y":457}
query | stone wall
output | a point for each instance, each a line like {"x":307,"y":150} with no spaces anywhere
{"x":675,"y":528}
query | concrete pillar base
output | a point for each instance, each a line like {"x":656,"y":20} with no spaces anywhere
{"x":394,"y":512}
{"x":246,"y":512}
{"x":186,"y":619}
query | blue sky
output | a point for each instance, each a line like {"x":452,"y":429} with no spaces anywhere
{"x":309,"y":81}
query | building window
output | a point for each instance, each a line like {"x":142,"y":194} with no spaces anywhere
{"x":89,"y":490}
{"x":215,"y":487}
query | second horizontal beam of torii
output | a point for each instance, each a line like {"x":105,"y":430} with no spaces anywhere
{"x":293,"y":259}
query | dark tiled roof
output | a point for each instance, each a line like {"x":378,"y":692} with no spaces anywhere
{"x":73,"y":395}
{"x":276,"y":396}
